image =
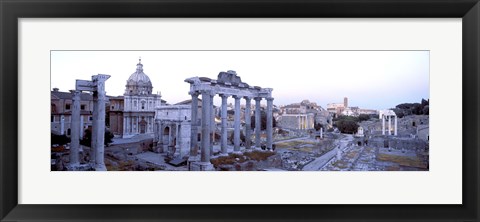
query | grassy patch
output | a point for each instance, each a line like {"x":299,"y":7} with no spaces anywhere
{"x":340,"y":164}
{"x":230,"y":159}
{"x":402,"y":160}
{"x":258,"y":156}
{"x":233,"y":158}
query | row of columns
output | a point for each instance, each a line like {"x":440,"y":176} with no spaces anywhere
{"x":62,"y":122}
{"x":207,"y":123}
{"x":303,"y":122}
{"x":389,"y":125}
{"x":130,"y":121}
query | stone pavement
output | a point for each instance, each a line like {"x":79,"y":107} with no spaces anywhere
{"x":134,"y":139}
{"x":159,"y":160}
{"x":320,"y":161}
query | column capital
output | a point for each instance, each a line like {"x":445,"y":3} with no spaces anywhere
{"x":206,"y":91}
{"x":100,"y":77}
{"x":223,"y":95}
{"x":247,"y":98}
{"x":269,"y":99}
{"x":194,"y":93}
{"x":75,"y":92}
{"x":236,"y":97}
{"x":257,"y":98}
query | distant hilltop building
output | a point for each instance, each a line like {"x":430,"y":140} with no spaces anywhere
{"x":302,"y":116}
{"x":337,"y":109}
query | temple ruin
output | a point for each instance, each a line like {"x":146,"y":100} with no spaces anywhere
{"x":227,"y":84}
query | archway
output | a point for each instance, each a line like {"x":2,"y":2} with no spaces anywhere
{"x":143,"y":125}
{"x":166,"y":136}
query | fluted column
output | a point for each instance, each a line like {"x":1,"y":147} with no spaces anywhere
{"x":75,"y":128}
{"x":224,"y":123}
{"x":236,"y":130}
{"x":248,"y":122}
{"x":258,"y":123}
{"x":269,"y":122}
{"x":205,"y":156}
{"x":194,"y":128}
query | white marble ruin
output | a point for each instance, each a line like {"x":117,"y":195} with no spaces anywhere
{"x":228,"y":84}
{"x":388,"y":114}
{"x":97,"y":86}
{"x":172,"y":130}
{"x":360,"y":132}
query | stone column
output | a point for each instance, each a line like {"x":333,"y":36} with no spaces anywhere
{"x":75,"y":129}
{"x":224,"y":123}
{"x":236,"y":130}
{"x":269,"y":122}
{"x":299,"y":123}
{"x":137,"y":121}
{"x":248,"y":122}
{"x":205,"y":156}
{"x":124,"y":130}
{"x":177,"y":138}
{"x":383,"y":124}
{"x":62,"y":125}
{"x":194,"y":129}
{"x":395,"y":125}
{"x":212,"y":123}
{"x":160,"y":137}
{"x":389,"y":125}
{"x":99,"y":156}
{"x":170,"y":135}
{"x":81,"y":126}
{"x":258,"y":123}
{"x":93,"y":146}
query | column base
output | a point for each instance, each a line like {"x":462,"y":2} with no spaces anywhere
{"x":192,"y":159}
{"x":100,"y":167}
{"x":80,"y":167}
{"x":201,"y":166}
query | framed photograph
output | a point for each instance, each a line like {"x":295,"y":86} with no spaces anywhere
{"x":227,"y":110}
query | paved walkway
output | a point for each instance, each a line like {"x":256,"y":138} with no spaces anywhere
{"x":320,"y":161}
{"x":293,"y":139}
{"x":134,"y":139}
{"x":158,"y":159}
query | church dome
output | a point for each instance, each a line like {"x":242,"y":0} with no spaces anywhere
{"x":138,"y":83}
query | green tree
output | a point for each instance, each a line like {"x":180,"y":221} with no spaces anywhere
{"x":317,"y":126}
{"x":347,"y":126}
{"x":363,"y":117}
{"x":87,"y":138}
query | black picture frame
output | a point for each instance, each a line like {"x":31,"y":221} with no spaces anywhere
{"x":11,"y":11}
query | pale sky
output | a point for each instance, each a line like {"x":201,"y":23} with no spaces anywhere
{"x":370,"y":79}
